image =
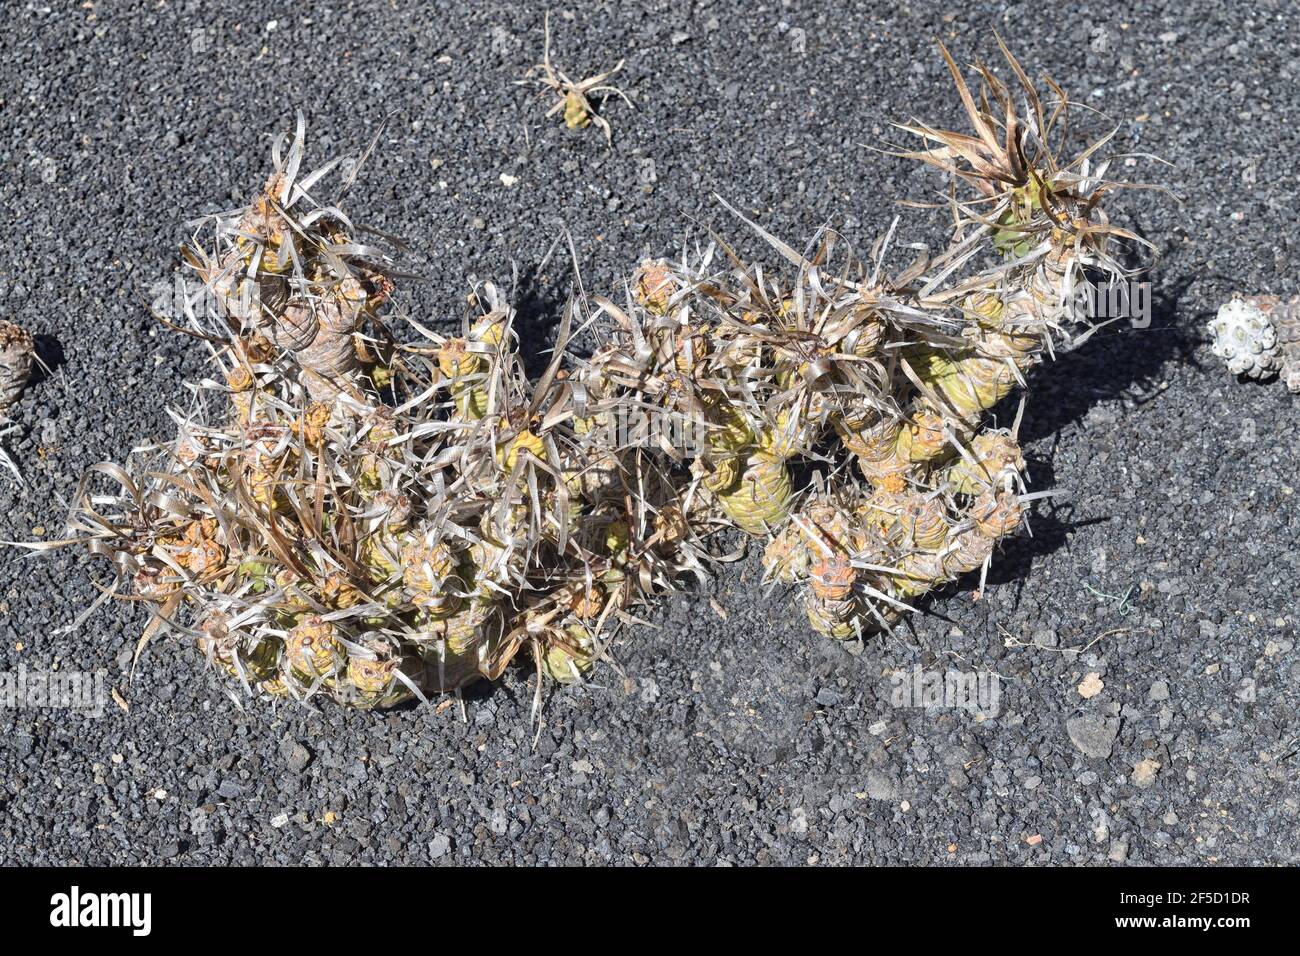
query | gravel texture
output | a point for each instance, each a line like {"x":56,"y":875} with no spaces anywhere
{"x":1164,"y":570}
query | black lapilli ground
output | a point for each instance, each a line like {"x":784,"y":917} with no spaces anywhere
{"x":1165,"y":566}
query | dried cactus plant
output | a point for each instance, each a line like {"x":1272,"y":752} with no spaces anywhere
{"x":345,"y":516}
{"x":1258,"y":336}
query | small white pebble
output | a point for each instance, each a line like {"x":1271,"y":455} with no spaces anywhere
{"x":1091,"y":686}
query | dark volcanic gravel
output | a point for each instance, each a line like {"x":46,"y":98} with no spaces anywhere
{"x":1166,"y":566}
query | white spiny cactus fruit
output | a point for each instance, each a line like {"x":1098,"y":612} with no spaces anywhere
{"x":1245,"y":338}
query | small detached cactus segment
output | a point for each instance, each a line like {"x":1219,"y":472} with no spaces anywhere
{"x":574,"y":99}
{"x":1258,"y":336}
